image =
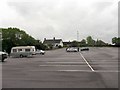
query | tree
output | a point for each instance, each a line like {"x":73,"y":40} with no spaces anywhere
{"x":74,"y":44}
{"x":90,"y":41}
{"x":100,"y":43}
{"x":40,"y":45}
{"x":116,"y":41}
{"x":16,"y":37}
{"x":83,"y":42}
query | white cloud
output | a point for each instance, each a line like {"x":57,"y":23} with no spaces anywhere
{"x":62,"y":18}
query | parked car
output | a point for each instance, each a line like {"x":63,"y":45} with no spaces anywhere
{"x":40,"y":52}
{"x":3,"y":56}
{"x":85,"y":49}
{"x":72,"y":49}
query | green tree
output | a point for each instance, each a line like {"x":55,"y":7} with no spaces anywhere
{"x":40,"y":45}
{"x":100,"y":43}
{"x":90,"y":41}
{"x":74,"y":44}
{"x":16,"y":37}
{"x":83,"y":42}
{"x":116,"y":41}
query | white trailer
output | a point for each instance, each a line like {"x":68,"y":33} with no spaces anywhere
{"x":23,"y":51}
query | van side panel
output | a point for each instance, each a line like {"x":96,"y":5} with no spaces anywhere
{"x":17,"y":54}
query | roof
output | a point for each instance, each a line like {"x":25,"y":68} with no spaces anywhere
{"x":51,"y":41}
{"x":67,"y":42}
{"x":19,"y":47}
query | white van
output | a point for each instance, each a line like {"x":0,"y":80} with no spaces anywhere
{"x":23,"y":51}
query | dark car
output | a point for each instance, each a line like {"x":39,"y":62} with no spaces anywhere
{"x":3,"y":56}
{"x":84,"y":49}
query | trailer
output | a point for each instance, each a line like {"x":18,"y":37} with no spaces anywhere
{"x":23,"y":51}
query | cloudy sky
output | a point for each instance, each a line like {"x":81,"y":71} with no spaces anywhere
{"x":62,"y":18}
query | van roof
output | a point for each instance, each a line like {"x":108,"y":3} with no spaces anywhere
{"x":19,"y":47}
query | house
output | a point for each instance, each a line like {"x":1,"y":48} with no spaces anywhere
{"x":53,"y":43}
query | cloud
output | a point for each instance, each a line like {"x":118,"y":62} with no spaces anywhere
{"x":63,"y":18}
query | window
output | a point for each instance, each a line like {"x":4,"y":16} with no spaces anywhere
{"x":19,"y":50}
{"x":27,"y":50}
{"x":33,"y":49}
{"x":14,"y":50}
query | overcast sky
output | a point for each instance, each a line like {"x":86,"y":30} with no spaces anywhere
{"x":62,"y":18}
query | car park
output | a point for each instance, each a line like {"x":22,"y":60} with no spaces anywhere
{"x":40,"y":52}
{"x":3,"y":56}
{"x":72,"y":49}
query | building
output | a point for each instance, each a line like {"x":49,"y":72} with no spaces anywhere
{"x":53,"y":43}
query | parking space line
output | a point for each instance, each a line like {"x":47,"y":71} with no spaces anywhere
{"x":87,"y":62}
{"x":73,"y":70}
{"x":66,"y":62}
{"x":105,"y":71}
{"x":69,"y":70}
{"x":56,"y":65}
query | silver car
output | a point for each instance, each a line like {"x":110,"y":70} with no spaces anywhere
{"x":72,"y":49}
{"x":40,"y":52}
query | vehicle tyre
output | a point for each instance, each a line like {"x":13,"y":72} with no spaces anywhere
{"x":21,"y":56}
{"x":2,"y":60}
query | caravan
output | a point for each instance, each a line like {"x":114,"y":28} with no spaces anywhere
{"x":23,"y":51}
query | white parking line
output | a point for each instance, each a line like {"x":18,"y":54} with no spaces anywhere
{"x":87,"y":62}
{"x":73,"y":70}
{"x":98,"y":71}
{"x":56,"y":65}
{"x":65,"y":62}
{"x":105,"y":71}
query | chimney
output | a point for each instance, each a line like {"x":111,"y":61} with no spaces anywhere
{"x":53,"y":38}
{"x":44,"y":39}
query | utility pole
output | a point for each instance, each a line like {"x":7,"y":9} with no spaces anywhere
{"x":77,"y":36}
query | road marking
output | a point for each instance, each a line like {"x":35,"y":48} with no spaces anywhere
{"x":87,"y":71}
{"x":56,"y":65}
{"x":87,"y":62}
{"x":98,"y":71}
{"x":65,"y":62}
{"x":73,"y":70}
{"x":106,"y":71}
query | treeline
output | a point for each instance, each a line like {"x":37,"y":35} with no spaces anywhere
{"x":10,"y":37}
{"x":89,"y":41}
{"x":15,"y":37}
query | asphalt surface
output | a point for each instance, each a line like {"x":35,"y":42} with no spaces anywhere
{"x":96,"y":68}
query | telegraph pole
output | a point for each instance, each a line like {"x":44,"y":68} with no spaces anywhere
{"x":77,"y":36}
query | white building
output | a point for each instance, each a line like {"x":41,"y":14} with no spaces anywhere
{"x":54,"y":42}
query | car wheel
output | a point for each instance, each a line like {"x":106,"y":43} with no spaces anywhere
{"x":21,"y":55}
{"x":2,"y":60}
